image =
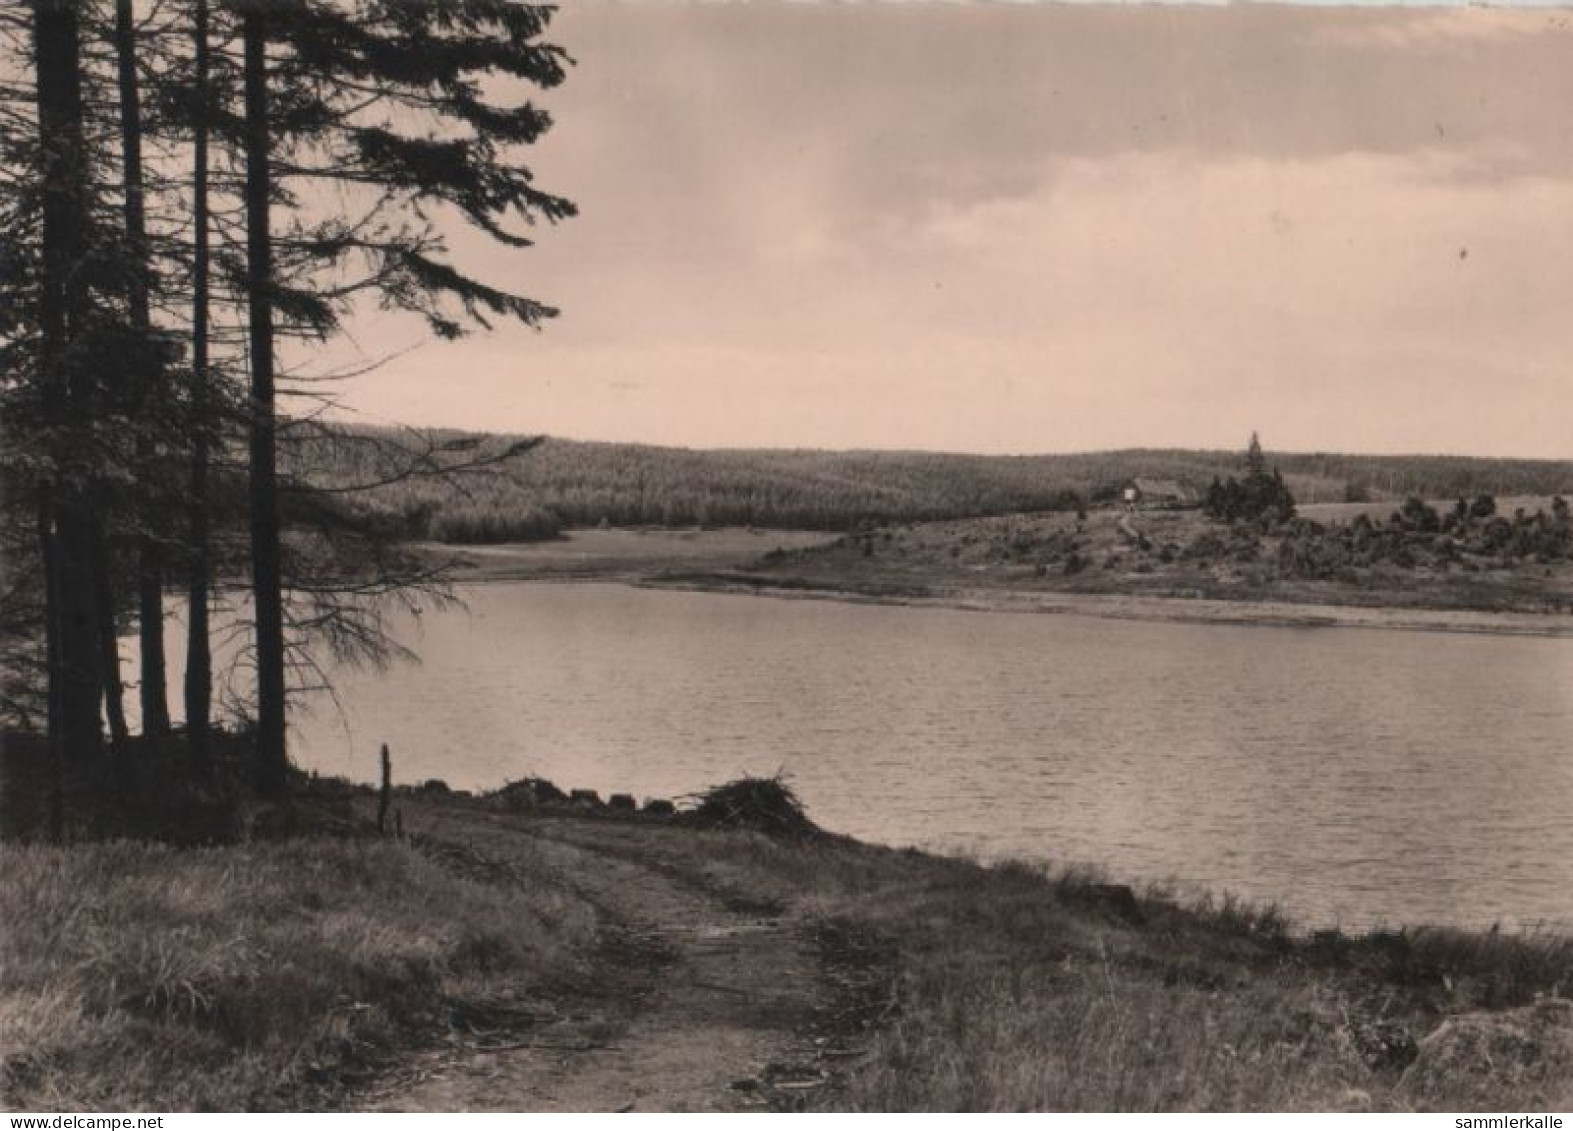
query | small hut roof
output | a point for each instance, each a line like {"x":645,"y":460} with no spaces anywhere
{"x":1167,"y":488}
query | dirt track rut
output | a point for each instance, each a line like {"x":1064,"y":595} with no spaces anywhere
{"x":714,"y":999}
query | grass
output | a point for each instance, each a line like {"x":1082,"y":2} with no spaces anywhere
{"x":273,"y":974}
{"x":1088,"y":1035}
{"x":260,"y":976}
{"x":1018,"y":987}
{"x":1018,"y":992}
{"x":620,"y":553}
{"x":1013,"y":1000}
{"x":1179,"y":554}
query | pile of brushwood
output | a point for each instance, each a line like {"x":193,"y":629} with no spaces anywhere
{"x":765,"y":805}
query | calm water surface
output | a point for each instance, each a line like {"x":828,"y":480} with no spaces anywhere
{"x":1352,"y":775}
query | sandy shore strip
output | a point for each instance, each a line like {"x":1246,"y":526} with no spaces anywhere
{"x":718,"y":561}
{"x":1179,"y":610}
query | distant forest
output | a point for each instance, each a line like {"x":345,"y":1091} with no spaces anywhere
{"x":559,"y":484}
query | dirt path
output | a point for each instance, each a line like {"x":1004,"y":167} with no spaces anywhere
{"x":704,"y":1001}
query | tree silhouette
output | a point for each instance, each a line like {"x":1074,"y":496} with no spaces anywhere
{"x":317,"y":77}
{"x":388,"y":103}
{"x":1260,"y":496}
{"x":1255,"y":461}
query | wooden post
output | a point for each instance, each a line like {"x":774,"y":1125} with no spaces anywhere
{"x":384,"y":796}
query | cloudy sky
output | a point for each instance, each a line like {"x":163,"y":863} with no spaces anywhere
{"x":1015,"y":228}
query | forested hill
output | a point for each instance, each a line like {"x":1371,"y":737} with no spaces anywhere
{"x":564,"y":483}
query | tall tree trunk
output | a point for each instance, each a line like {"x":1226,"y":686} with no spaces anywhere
{"x":46,"y":545}
{"x":44,"y":520}
{"x":67,"y":526}
{"x":199,"y":656}
{"x":150,"y":566}
{"x":266,"y":580}
{"x":109,"y":649}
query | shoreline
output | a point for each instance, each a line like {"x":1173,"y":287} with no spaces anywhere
{"x":1182,"y":892}
{"x":726,"y":561}
{"x":1143,"y":607}
{"x":1132,"y":607}
{"x":727,"y":966}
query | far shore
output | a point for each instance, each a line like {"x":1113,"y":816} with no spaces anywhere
{"x":1143,"y":607}
{"x":619,"y":553}
{"x":719,"y":561}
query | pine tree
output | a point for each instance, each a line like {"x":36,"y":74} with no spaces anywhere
{"x":266,"y":577}
{"x":198,"y":686}
{"x":1255,"y":461}
{"x":311,"y":113}
{"x":145,"y":365}
{"x":1213,"y":504}
{"x":67,"y":394}
{"x":384,"y":100}
{"x":1260,"y":495}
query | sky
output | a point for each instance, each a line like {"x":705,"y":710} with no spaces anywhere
{"x":1032,"y":228}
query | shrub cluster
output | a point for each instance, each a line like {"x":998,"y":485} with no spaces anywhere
{"x":1260,"y":496}
{"x":1471,"y":535}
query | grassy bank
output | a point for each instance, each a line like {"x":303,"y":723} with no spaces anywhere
{"x":1030,"y":994}
{"x":1178,"y":565}
{"x":1182,"y":554}
{"x":294,"y":973}
{"x":263,"y":976}
{"x":620,"y":554}
{"x":1016,"y":987}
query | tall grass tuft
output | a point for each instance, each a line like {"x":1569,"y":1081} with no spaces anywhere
{"x":135,"y":975}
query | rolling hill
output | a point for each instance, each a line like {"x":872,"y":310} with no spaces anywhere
{"x":563,"y":483}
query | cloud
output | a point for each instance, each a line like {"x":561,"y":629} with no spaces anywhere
{"x":1443,"y":29}
{"x":1003,"y":229}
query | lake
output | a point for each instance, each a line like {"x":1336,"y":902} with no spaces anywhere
{"x":1351,"y":775}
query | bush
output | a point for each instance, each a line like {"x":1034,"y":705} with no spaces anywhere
{"x":1416,"y":514}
